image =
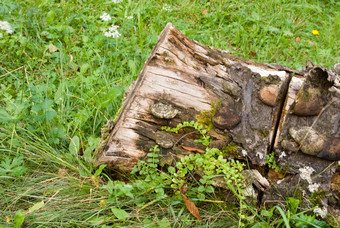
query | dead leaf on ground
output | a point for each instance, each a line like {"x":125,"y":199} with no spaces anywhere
{"x":71,"y":58}
{"x":275,"y":176}
{"x":191,"y":207}
{"x":205,"y":11}
{"x":311,"y":43}
{"x":253,"y":53}
{"x":192,"y":149}
{"x":52,"y":48}
{"x":62,"y":172}
{"x":298,"y":39}
{"x":335,"y":184}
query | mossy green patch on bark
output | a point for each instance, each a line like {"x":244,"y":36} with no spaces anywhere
{"x":205,"y":117}
{"x":231,"y":150}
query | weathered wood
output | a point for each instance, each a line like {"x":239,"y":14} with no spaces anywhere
{"x":308,"y":136}
{"x":192,"y":78}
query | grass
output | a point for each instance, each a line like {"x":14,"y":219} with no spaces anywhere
{"x":62,"y":79}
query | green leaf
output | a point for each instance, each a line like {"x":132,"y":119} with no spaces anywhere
{"x":4,"y":116}
{"x":50,"y":17}
{"x":46,"y":104}
{"x":74,"y":145}
{"x":171,"y":170}
{"x":119,"y":213}
{"x":36,"y":207}
{"x":164,"y":223}
{"x":19,"y":218}
{"x":36,"y":108}
{"x":293,"y":204}
{"x":18,"y":171}
{"x":267,"y":213}
{"x":49,"y":115}
{"x":99,"y":170}
{"x":284,"y":217}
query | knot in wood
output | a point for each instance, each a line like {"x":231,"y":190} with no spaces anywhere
{"x":163,"y":111}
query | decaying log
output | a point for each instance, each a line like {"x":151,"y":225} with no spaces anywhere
{"x":190,"y":78}
{"x":259,"y":107}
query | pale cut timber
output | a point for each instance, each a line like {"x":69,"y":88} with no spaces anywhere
{"x":192,"y":78}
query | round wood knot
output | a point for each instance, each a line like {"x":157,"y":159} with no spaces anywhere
{"x":163,"y":111}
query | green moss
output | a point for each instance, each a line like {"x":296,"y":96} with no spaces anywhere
{"x":231,"y":149}
{"x":118,"y":113}
{"x":264,"y":133}
{"x":205,"y":117}
{"x":316,"y":197}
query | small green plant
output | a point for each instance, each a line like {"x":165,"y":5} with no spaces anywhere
{"x":290,"y":218}
{"x":204,"y":137}
{"x":208,"y":165}
{"x":12,"y":167}
{"x":270,"y":161}
{"x":148,"y":169}
{"x":19,"y":219}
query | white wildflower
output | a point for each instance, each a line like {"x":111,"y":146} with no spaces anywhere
{"x":117,"y":1}
{"x":166,"y":7}
{"x":129,"y":17}
{"x":113,"y":32}
{"x":4,"y":25}
{"x":282,"y":155}
{"x":114,"y":28}
{"x":306,"y":172}
{"x":260,"y":155}
{"x":322,"y":212}
{"x":244,"y":153}
{"x":105,"y":17}
{"x":313,"y":187}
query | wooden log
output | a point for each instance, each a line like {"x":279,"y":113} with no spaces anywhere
{"x":259,"y":108}
{"x":180,"y":81}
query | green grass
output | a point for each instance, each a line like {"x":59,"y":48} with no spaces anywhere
{"x":48,"y":97}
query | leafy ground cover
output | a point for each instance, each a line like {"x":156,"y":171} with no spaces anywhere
{"x":64,"y":67}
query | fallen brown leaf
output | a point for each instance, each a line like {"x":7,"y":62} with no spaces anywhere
{"x":205,"y":11}
{"x":62,"y":172}
{"x":298,"y":39}
{"x":71,"y":58}
{"x":253,"y":53}
{"x":192,"y":149}
{"x":311,"y":42}
{"x":191,"y":207}
{"x":52,"y":48}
